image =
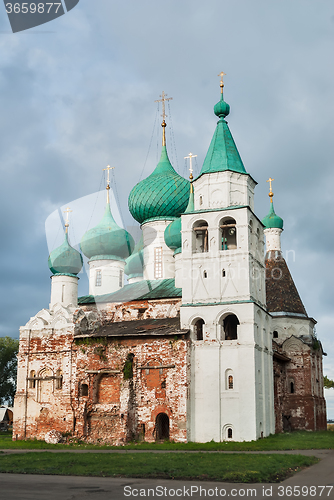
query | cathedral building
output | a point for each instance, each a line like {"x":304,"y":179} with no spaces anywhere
{"x":209,"y":338}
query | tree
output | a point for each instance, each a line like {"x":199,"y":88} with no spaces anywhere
{"x":8,"y":367}
{"x":328,"y":383}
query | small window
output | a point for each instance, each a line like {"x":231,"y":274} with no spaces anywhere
{"x":158,"y":263}
{"x":32,"y":382}
{"x":205,"y":274}
{"x":198,"y":329}
{"x":163,"y":384}
{"x":292,"y":388}
{"x":98,"y":278}
{"x":59,"y":379}
{"x":230,"y":382}
{"x":223,"y":273}
{"x":201,"y":200}
{"x":229,"y":433}
{"x":84,"y":390}
{"x":120,"y":279}
{"x":275,"y":334}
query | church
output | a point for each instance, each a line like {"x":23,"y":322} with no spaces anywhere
{"x":206,"y":339}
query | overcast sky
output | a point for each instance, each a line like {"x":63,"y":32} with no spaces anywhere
{"x":78,"y":93}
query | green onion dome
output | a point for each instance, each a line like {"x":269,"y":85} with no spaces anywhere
{"x":65,"y":259}
{"x":107,"y":241}
{"x":163,"y":194}
{"x":173,"y":237}
{"x":272,"y":220}
{"x":135,"y":263}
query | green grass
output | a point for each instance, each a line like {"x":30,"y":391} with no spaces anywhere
{"x":302,"y":440}
{"x":202,"y":466}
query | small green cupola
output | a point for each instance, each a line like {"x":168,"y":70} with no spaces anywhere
{"x":223,"y":153}
{"x":173,"y":236}
{"x":135,"y":263}
{"x":162,"y":195}
{"x":272,"y":220}
{"x":65,"y":259}
{"x":107,"y":241}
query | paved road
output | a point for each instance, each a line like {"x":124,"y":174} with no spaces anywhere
{"x":34,"y":487}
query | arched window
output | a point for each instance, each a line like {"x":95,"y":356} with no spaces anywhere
{"x":198,"y":329}
{"x":162,"y":427}
{"x":228,"y":234}
{"x":200,"y":241}
{"x":230,"y":381}
{"x":230,"y":327}
{"x":229,"y":433}
{"x":292,"y":387}
{"x":32,"y":381}
{"x":275,"y":334}
{"x":84,"y":390}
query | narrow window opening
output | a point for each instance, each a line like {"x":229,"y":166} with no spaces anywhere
{"x":292,"y":387}
{"x":158,"y":263}
{"x":201,"y":200}
{"x":120,"y":279}
{"x":59,"y":379}
{"x":223,"y":273}
{"x":275,"y":334}
{"x":205,"y":274}
{"x":98,"y":278}
{"x":32,"y":382}
{"x":230,"y":382}
{"x":229,"y":433}
{"x":198,"y":327}
{"x":63,"y":293}
{"x":163,"y":384}
{"x":84,"y":390}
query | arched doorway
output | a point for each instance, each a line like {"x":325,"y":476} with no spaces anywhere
{"x":161,"y":427}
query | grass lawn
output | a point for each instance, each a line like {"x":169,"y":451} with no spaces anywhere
{"x":302,"y":440}
{"x":203,"y":466}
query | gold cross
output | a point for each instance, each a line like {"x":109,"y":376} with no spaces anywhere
{"x":163,"y":99}
{"x":190,"y":156}
{"x":271,"y":194}
{"x":222,"y":74}
{"x":67,"y":212}
{"x":108,"y":168}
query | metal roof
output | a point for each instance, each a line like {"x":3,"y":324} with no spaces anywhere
{"x":142,"y":290}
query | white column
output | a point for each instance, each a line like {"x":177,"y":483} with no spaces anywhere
{"x":64,"y":290}
{"x":105,"y":276}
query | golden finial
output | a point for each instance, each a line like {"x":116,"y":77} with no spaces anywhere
{"x":271,"y":194}
{"x":221,"y":74}
{"x":108,"y":180}
{"x":67,"y":223}
{"x":190,"y":156}
{"x":163,"y":99}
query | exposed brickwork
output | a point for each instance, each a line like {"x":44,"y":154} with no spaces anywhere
{"x":298,"y":386}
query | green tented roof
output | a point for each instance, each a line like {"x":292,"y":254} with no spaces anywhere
{"x":142,"y":290}
{"x":223,"y":153}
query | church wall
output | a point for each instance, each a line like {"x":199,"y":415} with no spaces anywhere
{"x":158,"y":257}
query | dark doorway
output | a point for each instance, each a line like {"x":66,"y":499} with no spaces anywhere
{"x":162,"y":427}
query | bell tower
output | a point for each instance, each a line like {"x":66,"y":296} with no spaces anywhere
{"x":223,"y":299}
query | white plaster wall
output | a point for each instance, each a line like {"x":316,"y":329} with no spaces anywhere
{"x":110,"y":273}
{"x":288,"y":325}
{"x":247,"y":408}
{"x":223,"y":189}
{"x":153,"y":234}
{"x":64,"y":290}
{"x":273,"y":239}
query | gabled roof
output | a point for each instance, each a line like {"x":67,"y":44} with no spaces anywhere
{"x":281,"y":292}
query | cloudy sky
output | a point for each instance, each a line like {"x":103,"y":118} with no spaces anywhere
{"x":78,"y":93}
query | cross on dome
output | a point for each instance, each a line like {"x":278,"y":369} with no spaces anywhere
{"x":222,"y":74}
{"x":108,"y":168}
{"x":271,"y":194}
{"x":67,"y":222}
{"x":190,"y":156}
